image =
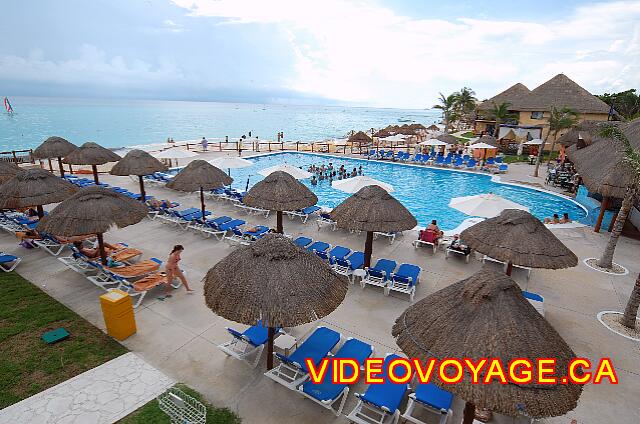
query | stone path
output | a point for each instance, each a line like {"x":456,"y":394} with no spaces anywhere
{"x":102,"y":395}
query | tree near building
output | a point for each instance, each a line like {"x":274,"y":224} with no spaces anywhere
{"x":559,"y":119}
{"x":449,"y":107}
{"x":500,"y":113}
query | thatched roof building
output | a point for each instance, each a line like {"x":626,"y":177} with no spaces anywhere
{"x":486,"y":316}
{"x":601,"y":162}
{"x":513,"y":95}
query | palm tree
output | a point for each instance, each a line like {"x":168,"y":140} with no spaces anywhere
{"x":632,"y":160}
{"x":560,"y":119}
{"x":448,"y":107}
{"x":465,"y":100}
{"x":500,"y":113}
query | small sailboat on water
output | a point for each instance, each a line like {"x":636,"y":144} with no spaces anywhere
{"x":7,"y":105}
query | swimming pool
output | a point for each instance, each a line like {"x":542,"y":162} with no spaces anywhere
{"x":425,"y":191}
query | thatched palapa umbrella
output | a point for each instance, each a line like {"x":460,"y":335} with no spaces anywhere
{"x":93,"y":210}
{"x":55,"y":147}
{"x":140,"y":163}
{"x":8,"y":170}
{"x":34,"y":187}
{"x":280,"y":192}
{"x":275,"y":281}
{"x":518,"y":238}
{"x":371,"y":209}
{"x":199,"y":175}
{"x":486,"y":316}
{"x":93,"y":154}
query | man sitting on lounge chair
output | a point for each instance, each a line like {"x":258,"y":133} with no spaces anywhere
{"x":94,"y":252}
{"x":434,"y":227}
{"x":457,"y":245}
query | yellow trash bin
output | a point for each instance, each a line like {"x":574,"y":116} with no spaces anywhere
{"x":117,"y":310}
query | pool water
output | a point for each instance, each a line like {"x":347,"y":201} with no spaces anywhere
{"x":425,"y":191}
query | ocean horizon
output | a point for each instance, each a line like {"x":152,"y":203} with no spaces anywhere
{"x":118,"y":123}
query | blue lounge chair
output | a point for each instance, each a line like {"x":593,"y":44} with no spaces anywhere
{"x":381,"y":154}
{"x":459,"y":163}
{"x":303,"y":214}
{"x":379,"y":274}
{"x":380,"y":403}
{"x":8,"y":262}
{"x":325,"y":219}
{"x":302,"y":241}
{"x":499,"y":159}
{"x":248,"y":343}
{"x":536,"y":300}
{"x":502,"y":169}
{"x":490,"y":161}
{"x":318,"y":246}
{"x":337,"y":252}
{"x":50,"y":244}
{"x":246,"y":237}
{"x":404,"y":280}
{"x":447,"y":161}
{"x":471,"y":164}
{"x":212,"y":226}
{"x":389,"y":154}
{"x":439,"y":160}
{"x":220,"y":231}
{"x":417,"y":158}
{"x":175,"y":216}
{"x":327,"y":393}
{"x":292,"y":369}
{"x":433,"y":399}
{"x":347,"y":266}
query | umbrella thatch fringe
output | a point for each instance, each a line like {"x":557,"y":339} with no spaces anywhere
{"x":199,"y":174}
{"x":91,"y":153}
{"x":54,"y":147}
{"x":275,"y":281}
{"x":92,"y":210}
{"x":34,"y":187}
{"x":518,"y":237}
{"x":137,"y":162}
{"x":280,"y":191}
{"x":372,"y":208}
{"x":486,"y":316}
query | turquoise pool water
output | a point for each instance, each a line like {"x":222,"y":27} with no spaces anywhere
{"x":425,"y":191}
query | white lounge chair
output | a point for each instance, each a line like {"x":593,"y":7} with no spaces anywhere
{"x":292,"y":370}
{"x":391,"y":235}
{"x":325,"y":220}
{"x":50,"y":244}
{"x":8,"y":262}
{"x":247,"y":344}
{"x":303,"y":214}
{"x":431,"y":398}
{"x":490,"y":259}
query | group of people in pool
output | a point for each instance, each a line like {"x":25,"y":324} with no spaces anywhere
{"x":555,"y":219}
{"x":330,"y":172}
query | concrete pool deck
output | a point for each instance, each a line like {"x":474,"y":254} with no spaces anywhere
{"x":179,"y":336}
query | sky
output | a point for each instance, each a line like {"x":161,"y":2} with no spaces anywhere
{"x":381,"y":53}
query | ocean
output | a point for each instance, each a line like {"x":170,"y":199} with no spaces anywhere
{"x":120,"y":123}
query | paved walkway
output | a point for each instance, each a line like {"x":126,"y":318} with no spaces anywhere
{"x":179,"y":336}
{"x":102,"y":395}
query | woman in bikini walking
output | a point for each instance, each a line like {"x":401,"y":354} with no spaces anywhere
{"x":173,"y":270}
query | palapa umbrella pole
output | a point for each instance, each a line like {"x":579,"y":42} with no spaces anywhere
{"x":272,"y":334}
{"x":60,"y":165}
{"x":469,"y":413}
{"x":202,"y":202}
{"x":279,"y":222}
{"x":143,"y":195}
{"x":40,"y":211}
{"x":95,"y":174}
{"x":368,"y":249}
{"x":509,"y":268}
{"x":103,"y":255}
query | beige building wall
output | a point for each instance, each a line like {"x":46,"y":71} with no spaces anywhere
{"x":525,"y":119}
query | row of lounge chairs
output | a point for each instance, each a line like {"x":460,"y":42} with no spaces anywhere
{"x":85,"y":182}
{"x":343,"y":260}
{"x":379,"y":403}
{"x":451,"y":160}
{"x":136,"y":279}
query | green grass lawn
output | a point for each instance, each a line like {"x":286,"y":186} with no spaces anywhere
{"x":151,"y":413}
{"x":525,"y":158}
{"x":27,"y":364}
